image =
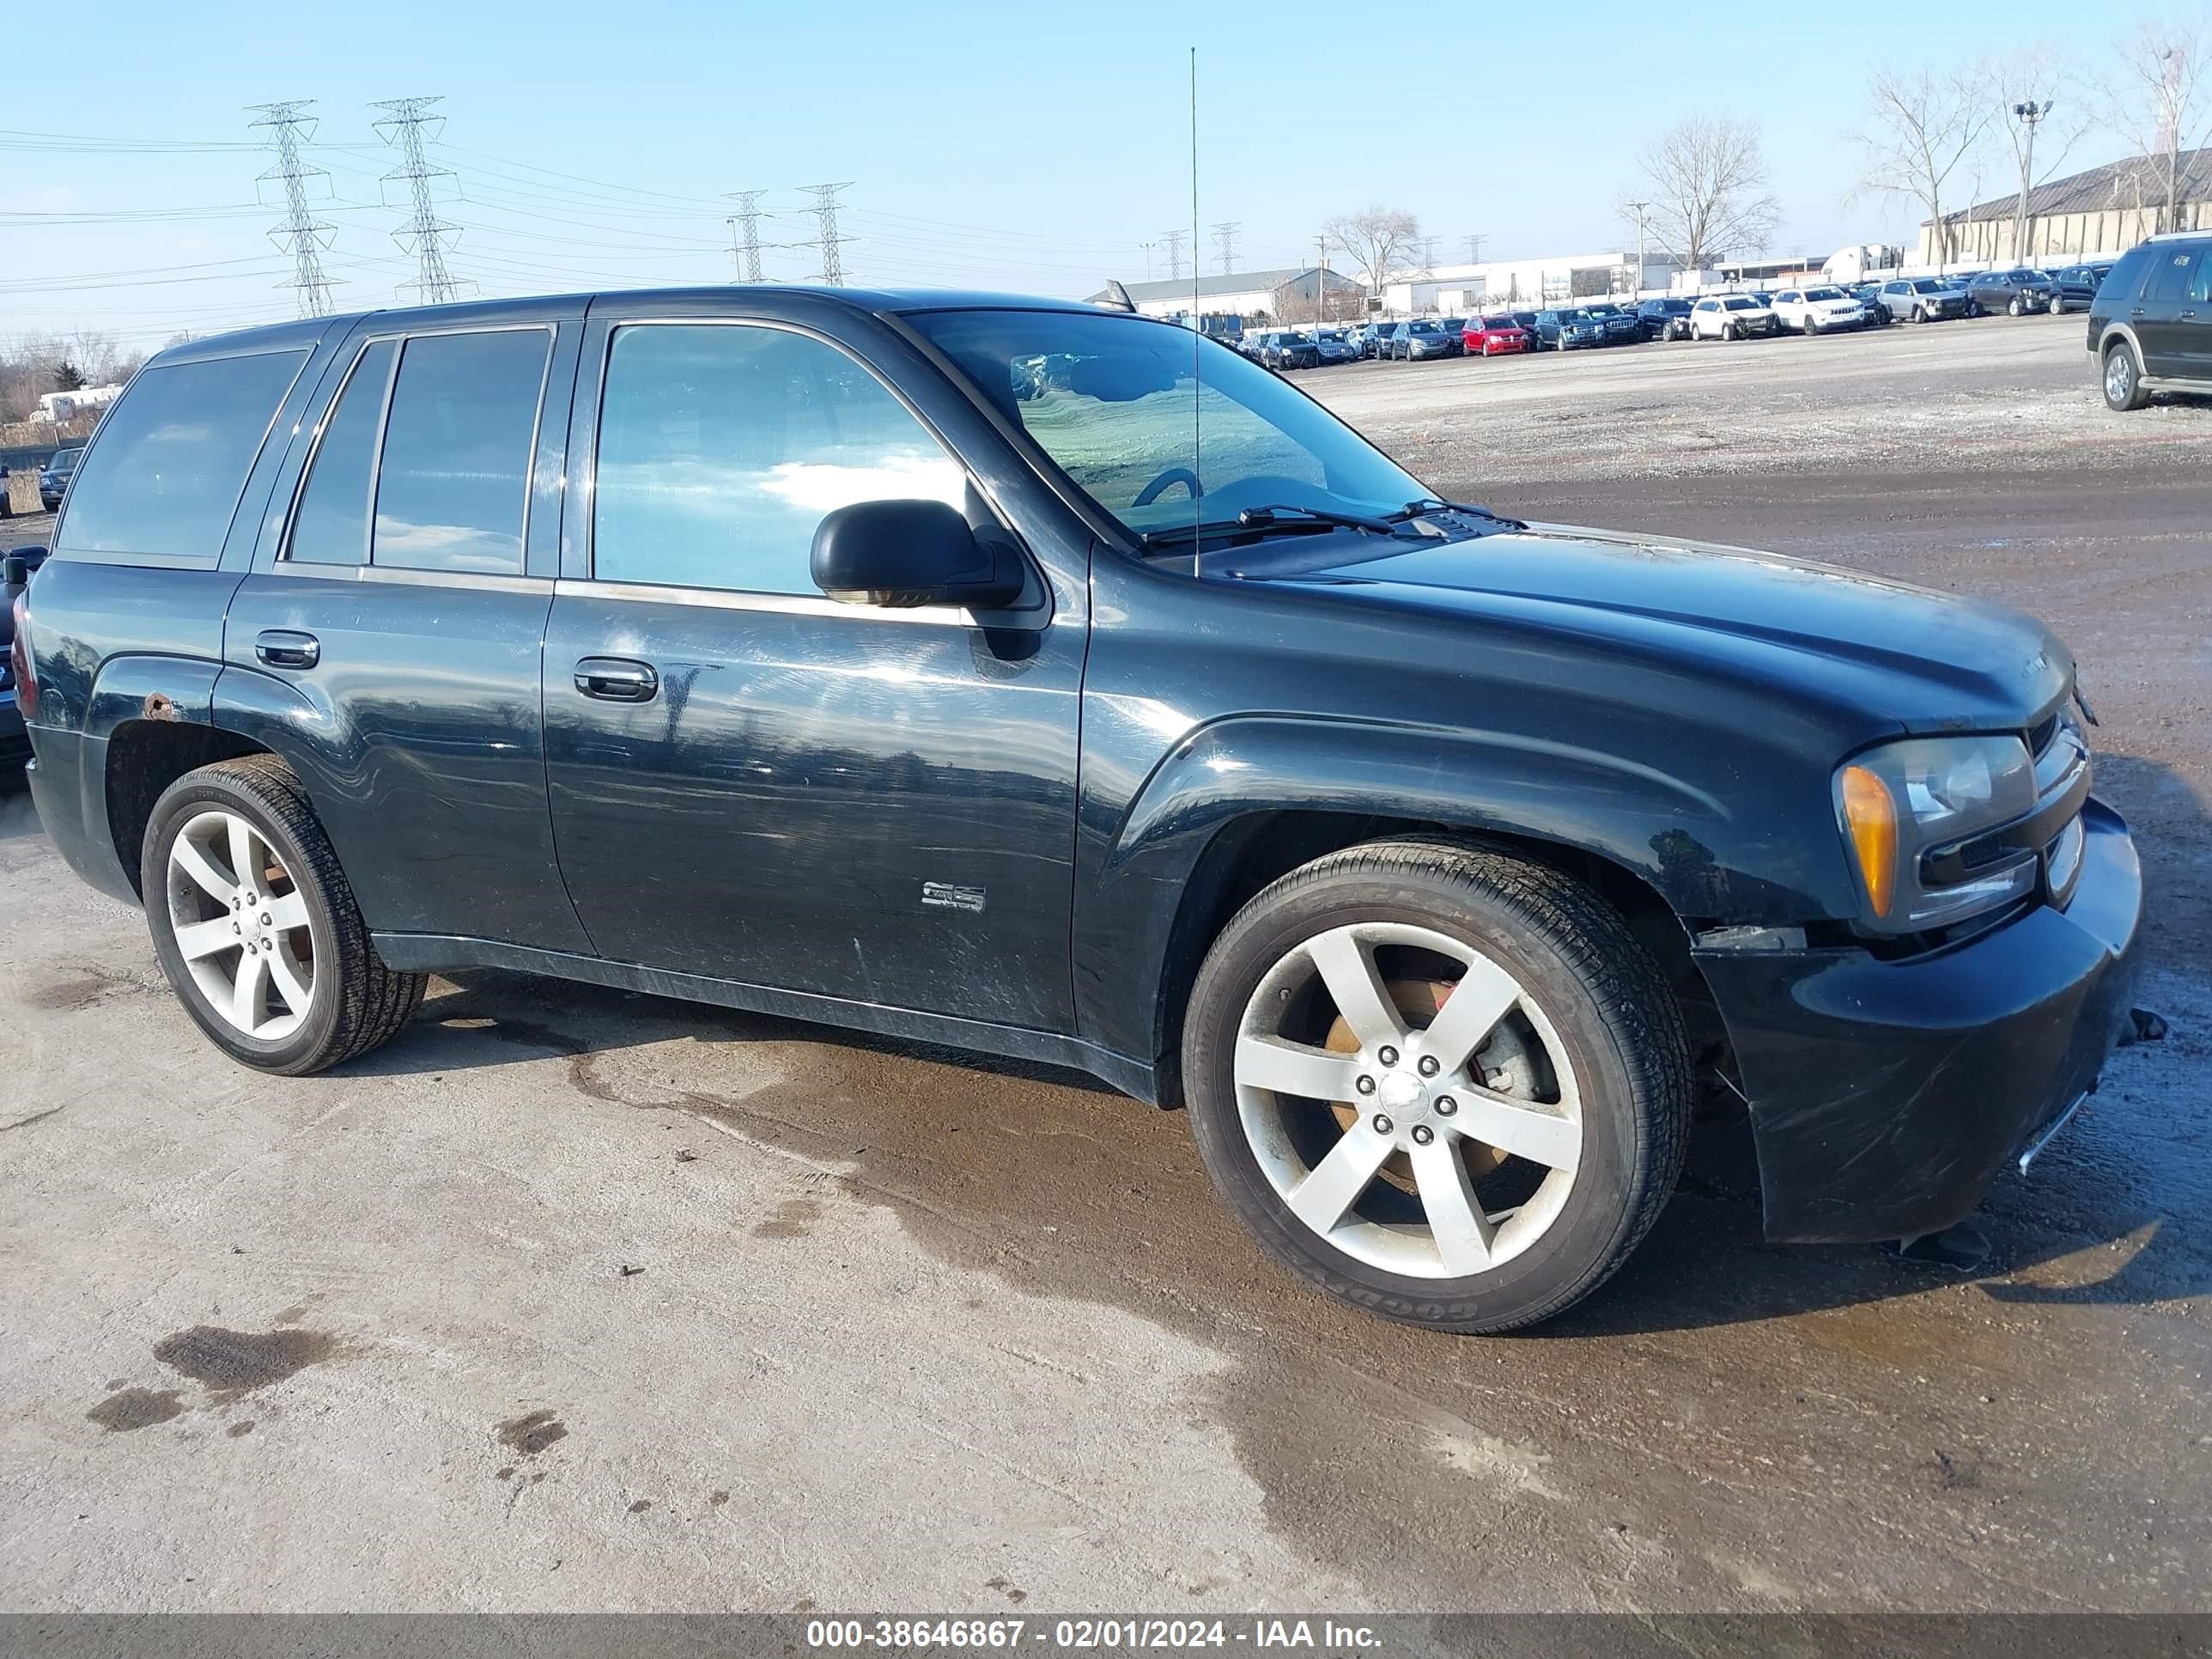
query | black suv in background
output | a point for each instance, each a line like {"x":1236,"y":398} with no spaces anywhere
{"x":808,"y":651}
{"x":54,"y":477}
{"x":2150,"y":326}
{"x":1664,"y":319}
{"x":2078,"y":284}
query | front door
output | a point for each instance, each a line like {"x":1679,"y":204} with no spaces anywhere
{"x":753,"y":782}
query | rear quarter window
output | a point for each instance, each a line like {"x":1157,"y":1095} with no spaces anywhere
{"x":2125,"y":276}
{"x":169,"y":462}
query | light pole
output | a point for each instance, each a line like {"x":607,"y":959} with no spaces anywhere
{"x":1637,"y":209}
{"x":2029,"y":113}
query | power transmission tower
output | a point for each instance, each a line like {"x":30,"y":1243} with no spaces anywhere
{"x":1475,"y":248}
{"x":420,"y":235}
{"x":744,"y":234}
{"x":1224,"y":238}
{"x":1173,"y":239}
{"x":302,"y":233}
{"x":825,"y":212}
{"x":1428,"y":254}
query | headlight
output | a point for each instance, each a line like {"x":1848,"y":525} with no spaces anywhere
{"x":1898,"y":803}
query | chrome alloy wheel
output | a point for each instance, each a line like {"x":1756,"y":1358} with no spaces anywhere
{"x":1484,"y":1082}
{"x":240,"y":923}
{"x":2119,"y":376}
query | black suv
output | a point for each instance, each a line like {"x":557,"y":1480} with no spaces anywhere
{"x":2150,"y":326}
{"x":1664,"y":319}
{"x":799,"y":651}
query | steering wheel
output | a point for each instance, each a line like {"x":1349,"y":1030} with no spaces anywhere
{"x":1174,"y":475}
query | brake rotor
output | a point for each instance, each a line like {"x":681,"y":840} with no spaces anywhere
{"x":1502,"y":1063}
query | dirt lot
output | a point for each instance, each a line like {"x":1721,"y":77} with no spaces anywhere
{"x":574,"y":1299}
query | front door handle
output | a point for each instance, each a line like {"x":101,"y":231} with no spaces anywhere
{"x":285,"y":647}
{"x":617,"y":680}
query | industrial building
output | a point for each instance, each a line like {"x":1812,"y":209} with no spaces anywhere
{"x":1258,"y":296}
{"x":2104,"y":210}
{"x":1467,"y":288}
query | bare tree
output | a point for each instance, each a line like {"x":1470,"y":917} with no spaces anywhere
{"x":2159,"y":99}
{"x":1922,"y":129}
{"x":1378,"y":239}
{"x":1704,"y":181}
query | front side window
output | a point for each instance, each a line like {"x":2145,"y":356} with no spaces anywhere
{"x":331,"y":527}
{"x":722,"y":447}
{"x":1147,"y":426}
{"x":453,"y":482}
{"x":172,"y":454}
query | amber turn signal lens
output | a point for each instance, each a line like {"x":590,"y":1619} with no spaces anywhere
{"x":1872,"y":816}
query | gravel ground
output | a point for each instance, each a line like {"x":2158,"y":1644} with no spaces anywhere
{"x":908,"y":1334}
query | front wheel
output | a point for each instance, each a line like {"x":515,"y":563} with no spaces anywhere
{"x":2124,"y":387}
{"x":1437,"y":1083}
{"x":2014,"y":309}
{"x":256,"y":926}
{"x":2057,"y":305}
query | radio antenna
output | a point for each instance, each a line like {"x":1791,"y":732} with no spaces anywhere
{"x":1197,"y":335}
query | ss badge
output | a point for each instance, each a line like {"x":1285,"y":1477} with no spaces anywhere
{"x":945,"y":896}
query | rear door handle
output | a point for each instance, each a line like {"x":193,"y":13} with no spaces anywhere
{"x":285,"y":647}
{"x":617,"y":680}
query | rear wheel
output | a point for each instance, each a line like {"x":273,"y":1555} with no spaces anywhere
{"x":2057,"y":306}
{"x":2124,"y":387}
{"x":1437,"y":1083}
{"x":256,"y":926}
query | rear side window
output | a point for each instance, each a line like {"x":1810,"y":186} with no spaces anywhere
{"x":721,"y":446}
{"x":171,"y":460}
{"x":2125,"y":278}
{"x":331,"y":526}
{"x":2170,"y":276}
{"x":454,"y":477}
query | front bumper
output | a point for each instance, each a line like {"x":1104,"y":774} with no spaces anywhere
{"x":1885,"y":1096}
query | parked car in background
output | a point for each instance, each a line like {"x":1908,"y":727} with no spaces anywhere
{"x":1817,"y":310}
{"x":1664,"y":319}
{"x":1289,"y":348}
{"x":15,"y":568}
{"x":1493,"y":337}
{"x":1334,"y":345}
{"x":2015,"y":292}
{"x":1730,"y":317}
{"x":1528,"y":321}
{"x":1923,"y":299}
{"x":2078,"y":284}
{"x":2150,"y":326}
{"x":54,"y":477}
{"x":1617,"y":323}
{"x":1436,"y":944}
{"x":1568,"y":328}
{"x":1420,"y":339}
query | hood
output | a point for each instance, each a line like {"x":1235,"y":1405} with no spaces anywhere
{"x":1928,"y":661}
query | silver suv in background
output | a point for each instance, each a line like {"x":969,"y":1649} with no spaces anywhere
{"x":1923,"y":299}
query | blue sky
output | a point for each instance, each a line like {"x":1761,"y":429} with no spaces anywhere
{"x":1026,"y":147}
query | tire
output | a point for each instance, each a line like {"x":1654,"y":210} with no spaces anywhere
{"x":2015,"y":308}
{"x":1920,"y":314}
{"x":2122,"y":378}
{"x":1589,"y":1009}
{"x":354,"y":1002}
{"x":2057,"y":305}
{"x":1730,"y":332}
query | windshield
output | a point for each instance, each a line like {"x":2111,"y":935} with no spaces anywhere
{"x":1146,"y":407}
{"x":63,"y":460}
{"x":1824,"y":293}
{"x":1927,"y":285}
{"x":1500,"y":322}
{"x":1422,"y":328}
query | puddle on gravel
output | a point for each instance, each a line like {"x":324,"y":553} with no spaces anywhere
{"x":136,"y":1408}
{"x":1680,"y":1408}
{"x":529,"y":1434}
{"x":229,"y":1364}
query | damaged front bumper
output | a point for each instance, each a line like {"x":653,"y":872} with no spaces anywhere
{"x":1885,"y":1095}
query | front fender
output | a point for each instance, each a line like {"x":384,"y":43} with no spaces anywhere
{"x":1685,"y":842}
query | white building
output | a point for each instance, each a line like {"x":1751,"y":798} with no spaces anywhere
{"x":59,"y":406}
{"x":1459,"y":289}
{"x":1258,"y":296}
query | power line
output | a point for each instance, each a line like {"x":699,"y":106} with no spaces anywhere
{"x":744,"y":227}
{"x":825,"y":212}
{"x":420,"y":235}
{"x":301,"y":234}
{"x":1173,"y":239}
{"x":1224,"y":238}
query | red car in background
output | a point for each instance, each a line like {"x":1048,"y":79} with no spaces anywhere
{"x":1493,"y":337}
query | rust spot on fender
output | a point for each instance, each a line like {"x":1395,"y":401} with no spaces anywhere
{"x":159,"y":707}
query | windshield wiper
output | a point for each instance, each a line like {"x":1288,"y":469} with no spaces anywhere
{"x":1434,"y":504}
{"x":1269,"y":519}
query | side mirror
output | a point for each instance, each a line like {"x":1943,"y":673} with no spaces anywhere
{"x":908,"y":553}
{"x":16,"y":567}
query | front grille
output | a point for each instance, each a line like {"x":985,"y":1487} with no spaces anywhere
{"x":2039,"y":736}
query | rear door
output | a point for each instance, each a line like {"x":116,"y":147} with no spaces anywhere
{"x":386,"y":643}
{"x":751,"y":781}
{"x":2194,"y":343}
{"x":2164,"y":335}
